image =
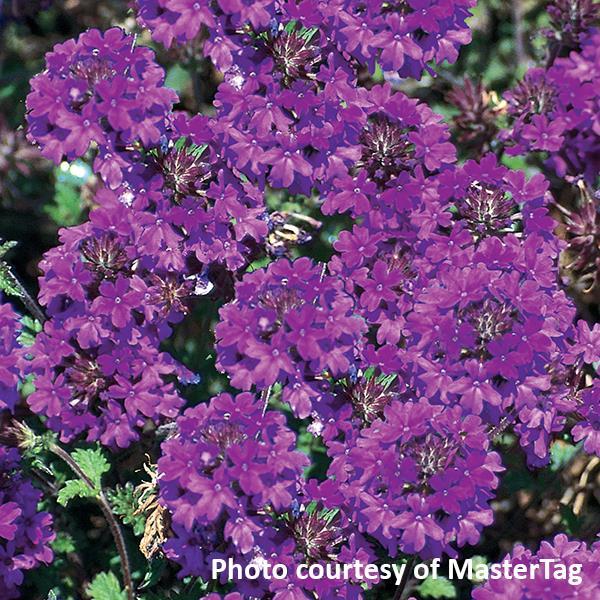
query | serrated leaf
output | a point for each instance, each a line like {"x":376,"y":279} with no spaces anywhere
{"x":8,"y":282}
{"x":74,"y":488}
{"x":437,"y":587}
{"x":5,"y":247}
{"x":106,"y":586}
{"x":93,"y":463}
{"x":66,"y":209}
{"x":63,"y":543}
{"x":124,"y":502}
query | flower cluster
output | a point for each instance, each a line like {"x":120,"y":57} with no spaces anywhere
{"x":172,"y":219}
{"x":419,"y":479}
{"x":10,"y":354}
{"x":576,"y":559}
{"x":556,"y":111}
{"x":97,"y":363}
{"x":103,"y":90}
{"x":226,"y":464}
{"x":401,"y":36}
{"x":289,"y":323}
{"x":25,"y":533}
{"x":570,"y":21}
{"x":232,"y":481}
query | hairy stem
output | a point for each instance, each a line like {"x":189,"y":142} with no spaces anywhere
{"x":113,"y":525}
{"x":32,"y":306}
{"x":402,"y":586}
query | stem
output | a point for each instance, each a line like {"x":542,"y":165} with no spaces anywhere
{"x":402,"y":586}
{"x":108,"y":515}
{"x":517,"y":16}
{"x":32,"y":306}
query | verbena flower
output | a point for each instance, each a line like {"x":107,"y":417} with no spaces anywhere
{"x":10,"y":355}
{"x":25,"y":532}
{"x":419,"y":478}
{"x":225,"y":471}
{"x":401,"y":36}
{"x":289,"y":323}
{"x":100,"y":90}
{"x":560,"y":550}
{"x":556,"y":111}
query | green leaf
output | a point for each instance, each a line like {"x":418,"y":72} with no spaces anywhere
{"x":177,"y":78}
{"x":74,"y":488}
{"x":437,"y":587}
{"x":124,"y":502}
{"x":93,"y":463}
{"x":8,"y":282}
{"x":5,"y":247}
{"x":63,"y":543}
{"x":106,"y":586}
{"x":66,"y":209}
{"x":29,"y":329}
{"x":569,"y":520}
{"x":156,"y":568}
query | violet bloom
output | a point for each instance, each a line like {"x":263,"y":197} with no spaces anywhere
{"x":227,"y":460}
{"x":100,"y":90}
{"x":411,"y":476}
{"x":25,"y":533}
{"x":579,"y":579}
{"x":557,"y":111}
{"x":288,"y":324}
{"x":10,"y":354}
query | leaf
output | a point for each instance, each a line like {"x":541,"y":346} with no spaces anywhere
{"x":29,"y":329}
{"x":74,"y":488}
{"x":106,"y":586}
{"x":8,"y":282}
{"x":124,"y":503}
{"x":66,"y":209}
{"x":63,"y":543}
{"x":93,"y":463}
{"x":177,"y":79}
{"x":156,"y":568}
{"x":5,"y":247}
{"x":437,"y":587}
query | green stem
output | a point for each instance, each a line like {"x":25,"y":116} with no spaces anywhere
{"x":113,"y":524}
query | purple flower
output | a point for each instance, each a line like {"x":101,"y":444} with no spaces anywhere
{"x":25,"y":532}
{"x":573,"y":555}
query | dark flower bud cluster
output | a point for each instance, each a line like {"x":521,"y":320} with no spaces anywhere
{"x":570,"y":20}
{"x":476,"y":123}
